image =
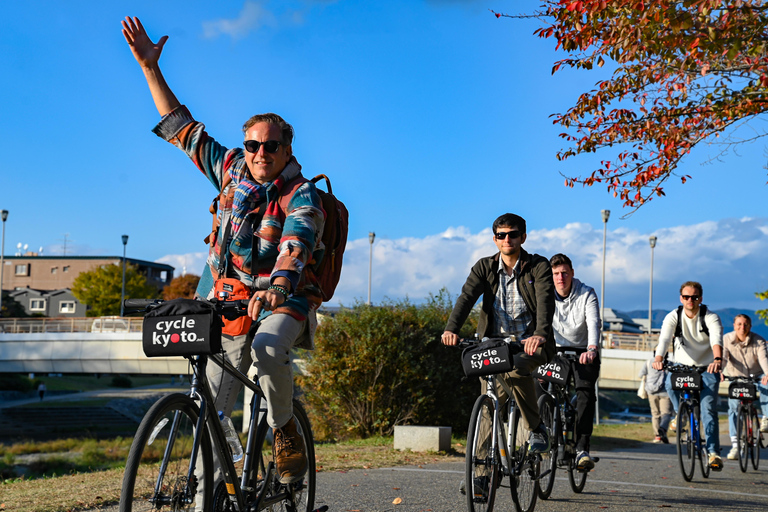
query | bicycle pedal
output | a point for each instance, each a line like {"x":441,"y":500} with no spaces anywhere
{"x":596,"y":459}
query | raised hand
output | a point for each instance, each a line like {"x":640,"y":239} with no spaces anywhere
{"x":144,"y":50}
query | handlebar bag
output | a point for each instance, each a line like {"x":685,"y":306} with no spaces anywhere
{"x":686,"y":381}
{"x":556,"y":371}
{"x":742,"y":391}
{"x":487,"y":358}
{"x":181,"y":327}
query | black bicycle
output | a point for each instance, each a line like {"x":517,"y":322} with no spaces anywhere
{"x":690,"y":441}
{"x":748,"y":435}
{"x":557,"y":408}
{"x":170,"y":465}
{"x":497,"y":440}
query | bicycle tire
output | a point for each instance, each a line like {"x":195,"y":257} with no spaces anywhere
{"x":524,"y":468}
{"x":304,"y":490}
{"x":703,"y":453}
{"x":481,"y":475}
{"x":576,"y":478}
{"x":742,"y":437}
{"x":754,"y":442}
{"x":548,"y":413}
{"x":156,"y":442}
{"x":685,"y":448}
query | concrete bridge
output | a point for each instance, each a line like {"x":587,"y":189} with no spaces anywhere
{"x":113,"y":345}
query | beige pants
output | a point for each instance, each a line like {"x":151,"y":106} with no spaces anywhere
{"x":661,"y":411}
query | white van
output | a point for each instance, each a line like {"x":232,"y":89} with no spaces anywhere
{"x":110,"y":324}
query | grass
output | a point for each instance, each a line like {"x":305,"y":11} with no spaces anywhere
{"x":93,"y":477}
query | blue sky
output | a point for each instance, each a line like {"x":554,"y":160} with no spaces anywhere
{"x":430,"y":117}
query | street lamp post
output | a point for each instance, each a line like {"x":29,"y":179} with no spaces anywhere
{"x":122,"y":293}
{"x":2,"y":260}
{"x":371,"y":237}
{"x":605,"y":214}
{"x":652,"y":240}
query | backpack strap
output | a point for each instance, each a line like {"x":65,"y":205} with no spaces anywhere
{"x":679,"y":326}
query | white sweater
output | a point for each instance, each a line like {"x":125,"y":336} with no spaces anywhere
{"x":577,"y":318}
{"x":696,"y":349}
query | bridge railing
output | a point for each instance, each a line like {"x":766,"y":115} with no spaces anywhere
{"x":64,"y":325}
{"x":630,"y":341}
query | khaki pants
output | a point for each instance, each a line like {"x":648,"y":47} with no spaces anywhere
{"x":661,"y":412}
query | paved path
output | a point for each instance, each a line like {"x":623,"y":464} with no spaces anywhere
{"x":622,"y":481}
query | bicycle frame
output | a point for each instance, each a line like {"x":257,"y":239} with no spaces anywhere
{"x":692,"y":399}
{"x":497,"y":430}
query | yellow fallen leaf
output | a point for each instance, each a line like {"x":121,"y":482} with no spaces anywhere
{"x":397,"y":501}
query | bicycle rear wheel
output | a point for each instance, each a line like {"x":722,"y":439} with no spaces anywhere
{"x":158,"y":465}
{"x":686,"y":454}
{"x":548,"y":413}
{"x":742,"y":437}
{"x":754,"y":441}
{"x":278,"y":495}
{"x":696,"y":430}
{"x":524,"y":470}
{"x":481,"y":476}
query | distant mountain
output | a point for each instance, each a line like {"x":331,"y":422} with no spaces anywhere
{"x":727,"y":316}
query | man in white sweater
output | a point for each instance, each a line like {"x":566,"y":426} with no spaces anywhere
{"x":577,"y":326}
{"x":698,"y":342}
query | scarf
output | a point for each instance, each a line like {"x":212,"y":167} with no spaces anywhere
{"x":250,"y":196}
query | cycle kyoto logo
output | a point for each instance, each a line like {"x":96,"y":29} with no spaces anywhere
{"x":686,"y":382}
{"x":742,"y":392}
{"x":181,"y":330}
{"x":553,"y":370}
{"x":486,"y":358}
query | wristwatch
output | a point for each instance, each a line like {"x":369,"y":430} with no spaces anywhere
{"x":592,"y":349}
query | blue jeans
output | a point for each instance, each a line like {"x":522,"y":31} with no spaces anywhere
{"x":710,"y":383}
{"x":733,"y":409}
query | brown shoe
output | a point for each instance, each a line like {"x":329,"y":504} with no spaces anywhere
{"x":289,"y":453}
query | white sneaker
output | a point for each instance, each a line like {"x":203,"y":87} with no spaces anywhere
{"x":764,"y":424}
{"x":733,"y":454}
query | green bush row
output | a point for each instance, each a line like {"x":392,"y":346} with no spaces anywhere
{"x":375,"y":367}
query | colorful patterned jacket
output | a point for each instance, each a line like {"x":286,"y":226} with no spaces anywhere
{"x":288,"y":235}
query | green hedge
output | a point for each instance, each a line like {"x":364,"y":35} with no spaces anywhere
{"x":375,"y":367}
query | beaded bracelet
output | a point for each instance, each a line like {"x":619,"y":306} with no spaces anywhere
{"x":280,"y":289}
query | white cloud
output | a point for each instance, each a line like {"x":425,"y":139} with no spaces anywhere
{"x":252,"y":17}
{"x":192,"y":263}
{"x":727,"y":257}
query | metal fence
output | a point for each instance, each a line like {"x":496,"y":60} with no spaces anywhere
{"x":69,"y":325}
{"x":630,"y":341}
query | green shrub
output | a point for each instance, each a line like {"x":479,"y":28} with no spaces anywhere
{"x":16,"y":382}
{"x":377,"y":367}
{"x":121,"y":381}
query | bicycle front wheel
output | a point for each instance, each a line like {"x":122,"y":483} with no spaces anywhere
{"x":697,"y":428}
{"x":481,"y":476}
{"x":157,"y":473}
{"x":686,"y":453}
{"x":548,"y":413}
{"x":742,"y":437}
{"x":524,"y":470}
{"x":299,"y":496}
{"x":754,"y":441}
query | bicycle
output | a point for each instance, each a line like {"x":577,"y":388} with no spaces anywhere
{"x":557,"y":407}
{"x":690,"y":446}
{"x":748,"y":435}
{"x":170,"y":463}
{"x":497,"y":442}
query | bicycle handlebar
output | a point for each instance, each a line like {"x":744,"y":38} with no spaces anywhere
{"x":678,"y":367}
{"x":515,"y":346}
{"x":751,"y":378}
{"x":229,"y":308}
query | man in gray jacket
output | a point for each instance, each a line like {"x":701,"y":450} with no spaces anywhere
{"x":577,"y":327}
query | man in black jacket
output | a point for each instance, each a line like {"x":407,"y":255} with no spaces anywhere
{"x":518,"y":299}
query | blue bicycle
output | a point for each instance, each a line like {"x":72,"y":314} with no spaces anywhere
{"x":690,"y":443}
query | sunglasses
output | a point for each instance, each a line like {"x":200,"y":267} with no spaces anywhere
{"x":270,"y":146}
{"x":501,"y":235}
{"x":690,"y":297}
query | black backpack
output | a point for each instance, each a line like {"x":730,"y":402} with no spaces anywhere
{"x":679,"y":327}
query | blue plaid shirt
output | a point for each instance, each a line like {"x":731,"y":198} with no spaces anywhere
{"x":510,"y":313}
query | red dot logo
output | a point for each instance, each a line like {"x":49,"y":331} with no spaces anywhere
{"x":486,"y":362}
{"x":549,"y":374}
{"x":175,"y":338}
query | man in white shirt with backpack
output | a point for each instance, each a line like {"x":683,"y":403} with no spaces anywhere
{"x":697,"y":335}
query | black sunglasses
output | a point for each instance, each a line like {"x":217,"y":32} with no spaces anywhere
{"x":270,"y":146}
{"x":691,"y":297}
{"x":501,"y":235}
